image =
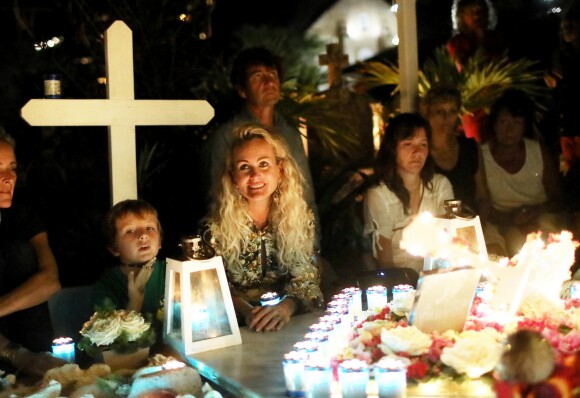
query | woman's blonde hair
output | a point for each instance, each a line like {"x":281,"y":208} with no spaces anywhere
{"x":289,"y":214}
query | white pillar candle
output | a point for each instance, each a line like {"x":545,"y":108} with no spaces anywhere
{"x":391,"y":377}
{"x":293,"y":364}
{"x":64,"y":348}
{"x":353,"y":376}
{"x":400,"y":291}
{"x":356,"y":300}
{"x":270,"y":298}
{"x":317,"y":378}
{"x":376,"y":297}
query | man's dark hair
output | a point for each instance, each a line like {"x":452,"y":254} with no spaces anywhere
{"x":251,"y":57}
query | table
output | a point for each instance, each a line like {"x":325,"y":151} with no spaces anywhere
{"x":253,"y":368}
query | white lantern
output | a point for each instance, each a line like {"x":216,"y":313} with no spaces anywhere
{"x":199,"y":312}
{"x":465,"y":225}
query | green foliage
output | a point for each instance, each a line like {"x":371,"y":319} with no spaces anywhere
{"x":481,"y":81}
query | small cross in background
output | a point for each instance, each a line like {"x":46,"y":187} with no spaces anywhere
{"x":335,"y":59}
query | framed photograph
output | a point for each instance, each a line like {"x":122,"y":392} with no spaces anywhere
{"x":469,"y":230}
{"x":443,"y":299}
{"x":199,"y":312}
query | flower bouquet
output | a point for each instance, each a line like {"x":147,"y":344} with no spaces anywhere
{"x":121,"y":331}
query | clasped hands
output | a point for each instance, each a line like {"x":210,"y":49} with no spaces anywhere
{"x":270,"y":318}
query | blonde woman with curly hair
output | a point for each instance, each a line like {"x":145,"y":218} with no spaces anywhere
{"x":262,"y":227}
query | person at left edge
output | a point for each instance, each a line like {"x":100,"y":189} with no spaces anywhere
{"x":28,"y":278}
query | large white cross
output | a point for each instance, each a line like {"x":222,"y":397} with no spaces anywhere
{"x":121,"y":112}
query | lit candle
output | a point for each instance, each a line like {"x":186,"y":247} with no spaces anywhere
{"x":391,"y":376}
{"x":173,"y":364}
{"x":293,"y":364}
{"x":64,"y":348}
{"x":321,"y":327}
{"x":575,"y":290}
{"x":355,"y":303}
{"x":353,"y":376}
{"x":377,"y":297}
{"x":321,"y":339}
{"x":317,"y":378}
{"x":400,"y":291}
{"x":308,"y":346}
{"x":270,"y":298}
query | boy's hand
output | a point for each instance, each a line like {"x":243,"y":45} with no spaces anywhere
{"x":136,"y":285}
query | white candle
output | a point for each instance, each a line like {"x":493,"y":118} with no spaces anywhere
{"x":400,"y":291}
{"x":317,"y":378}
{"x":270,"y":298}
{"x":355,"y":303}
{"x":377,"y":297}
{"x":64,"y":348}
{"x":391,"y":377}
{"x":293,"y":364}
{"x":353,"y":376}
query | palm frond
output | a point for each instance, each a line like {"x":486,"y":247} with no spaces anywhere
{"x":377,"y":74}
{"x":323,"y":116}
{"x":481,"y":81}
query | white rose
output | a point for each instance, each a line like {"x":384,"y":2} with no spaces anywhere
{"x":405,"y":339}
{"x":134,"y":325}
{"x":536,"y":306}
{"x":104,"y":331}
{"x":474,"y":353}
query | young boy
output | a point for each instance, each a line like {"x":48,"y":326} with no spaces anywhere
{"x":133,"y":235}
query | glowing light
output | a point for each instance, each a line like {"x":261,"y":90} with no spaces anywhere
{"x":202,"y":36}
{"x":394,"y":8}
{"x":173,"y":365}
{"x":395,"y":40}
{"x":363,"y":26}
{"x":102,"y":80}
{"x":50,"y":43}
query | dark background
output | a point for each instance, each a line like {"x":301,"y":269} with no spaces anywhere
{"x":63,"y":171}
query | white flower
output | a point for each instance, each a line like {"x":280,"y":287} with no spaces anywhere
{"x":134,"y":325}
{"x":103,"y":331}
{"x":403,"y":304}
{"x":537,"y":306}
{"x":405,"y":339}
{"x":474,"y":353}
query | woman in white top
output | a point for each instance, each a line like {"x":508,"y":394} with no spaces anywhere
{"x":406,"y":185}
{"x":523,"y":183}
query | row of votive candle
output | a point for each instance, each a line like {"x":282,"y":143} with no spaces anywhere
{"x":309,"y":370}
{"x":314,"y":377}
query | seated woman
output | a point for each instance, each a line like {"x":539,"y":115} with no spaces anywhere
{"x":406,"y":185}
{"x":454,"y":155}
{"x":28,"y":277}
{"x":521,"y":177}
{"x":264,"y":230}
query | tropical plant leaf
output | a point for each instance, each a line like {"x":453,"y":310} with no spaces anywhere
{"x":480,"y":82}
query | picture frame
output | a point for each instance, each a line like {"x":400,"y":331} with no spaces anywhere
{"x":469,"y":230}
{"x":438,"y":307}
{"x":197,"y":294}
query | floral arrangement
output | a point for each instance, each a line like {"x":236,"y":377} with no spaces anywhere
{"x":118,"y":330}
{"x":470,"y":354}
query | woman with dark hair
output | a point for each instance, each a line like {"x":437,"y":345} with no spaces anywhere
{"x":406,"y":185}
{"x":522,"y":178}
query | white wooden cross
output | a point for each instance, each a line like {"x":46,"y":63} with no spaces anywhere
{"x":121,"y":112}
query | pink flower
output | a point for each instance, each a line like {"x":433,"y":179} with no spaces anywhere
{"x":437,"y":346}
{"x":417,"y":370}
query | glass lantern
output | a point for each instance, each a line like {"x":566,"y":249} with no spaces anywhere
{"x":199,"y":312}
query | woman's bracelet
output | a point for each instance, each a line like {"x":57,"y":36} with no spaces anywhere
{"x":8,"y":353}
